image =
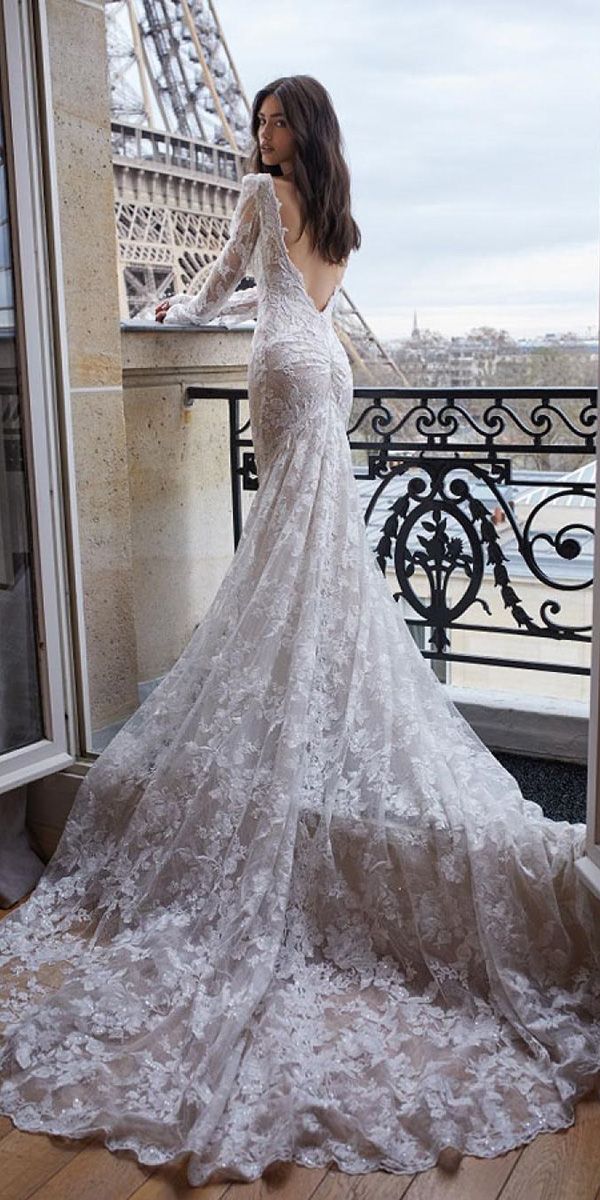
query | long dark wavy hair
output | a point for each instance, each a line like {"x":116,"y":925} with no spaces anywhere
{"x":321,"y":174}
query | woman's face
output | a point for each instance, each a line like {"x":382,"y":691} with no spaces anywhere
{"x":275,"y":137}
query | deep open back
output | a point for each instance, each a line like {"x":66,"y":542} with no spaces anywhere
{"x":294,"y":267}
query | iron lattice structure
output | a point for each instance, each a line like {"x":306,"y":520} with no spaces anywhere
{"x":180,"y":137}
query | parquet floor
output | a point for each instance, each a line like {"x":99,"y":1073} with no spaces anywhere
{"x":556,"y":1166}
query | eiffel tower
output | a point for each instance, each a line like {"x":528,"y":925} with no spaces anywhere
{"x":180,"y":136}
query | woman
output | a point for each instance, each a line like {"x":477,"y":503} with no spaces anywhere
{"x":299,"y":912}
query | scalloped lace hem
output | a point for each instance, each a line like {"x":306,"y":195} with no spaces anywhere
{"x":351,"y":1164}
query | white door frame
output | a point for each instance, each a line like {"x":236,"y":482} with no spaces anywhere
{"x":41,"y":381}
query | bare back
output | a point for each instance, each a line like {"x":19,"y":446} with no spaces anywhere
{"x":320,"y":277}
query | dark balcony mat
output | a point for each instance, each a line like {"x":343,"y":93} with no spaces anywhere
{"x":559,"y":787}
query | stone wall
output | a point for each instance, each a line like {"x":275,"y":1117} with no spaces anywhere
{"x":179,"y":478}
{"x":88,"y":248}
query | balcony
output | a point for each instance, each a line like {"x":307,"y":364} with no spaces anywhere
{"x":142,"y":475}
{"x":488,"y":548}
{"x":478,"y":507}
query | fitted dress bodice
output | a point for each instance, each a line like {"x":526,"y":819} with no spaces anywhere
{"x":298,"y":371}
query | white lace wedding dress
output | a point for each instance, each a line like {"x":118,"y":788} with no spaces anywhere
{"x":299,"y":911}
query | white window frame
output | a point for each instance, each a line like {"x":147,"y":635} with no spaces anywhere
{"x":41,"y":381}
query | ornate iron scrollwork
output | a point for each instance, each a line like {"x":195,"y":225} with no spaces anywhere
{"x":438,"y":526}
{"x":449,"y":458}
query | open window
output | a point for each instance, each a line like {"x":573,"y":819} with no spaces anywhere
{"x":35,"y":704}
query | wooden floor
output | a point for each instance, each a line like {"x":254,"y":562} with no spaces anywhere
{"x":556,"y":1166}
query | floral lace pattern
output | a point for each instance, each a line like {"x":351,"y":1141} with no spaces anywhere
{"x":299,"y":911}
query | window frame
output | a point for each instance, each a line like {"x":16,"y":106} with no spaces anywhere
{"x":24,"y":97}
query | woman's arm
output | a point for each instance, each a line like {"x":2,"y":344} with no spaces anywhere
{"x":240,"y":307}
{"x":226,"y":271}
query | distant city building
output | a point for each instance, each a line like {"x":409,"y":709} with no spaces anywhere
{"x":485,"y":356}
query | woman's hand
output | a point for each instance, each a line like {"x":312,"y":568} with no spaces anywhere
{"x":161,"y":309}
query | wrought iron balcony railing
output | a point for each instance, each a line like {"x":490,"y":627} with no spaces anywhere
{"x":471,"y":495}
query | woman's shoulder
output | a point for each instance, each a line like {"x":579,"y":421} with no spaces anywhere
{"x":252,"y":178}
{"x":251,"y":187}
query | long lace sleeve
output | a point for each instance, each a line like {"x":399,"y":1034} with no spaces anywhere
{"x":226,"y":272}
{"x":240,"y":307}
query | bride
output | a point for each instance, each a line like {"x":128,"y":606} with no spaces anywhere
{"x":299,"y":912}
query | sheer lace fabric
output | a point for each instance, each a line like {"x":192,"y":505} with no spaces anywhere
{"x":299,"y":912}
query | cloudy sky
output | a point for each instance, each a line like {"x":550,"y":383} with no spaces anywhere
{"x":472,"y":131}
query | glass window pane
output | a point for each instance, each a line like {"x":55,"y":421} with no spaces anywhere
{"x":21,"y":720}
